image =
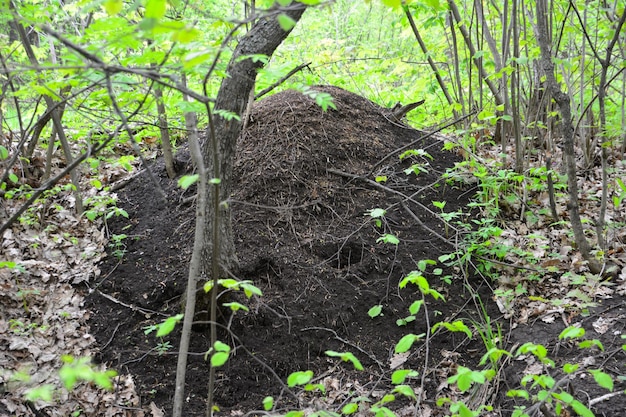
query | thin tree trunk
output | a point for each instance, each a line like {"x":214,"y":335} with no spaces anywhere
{"x":56,"y":120}
{"x":563,"y":101}
{"x":166,"y":144}
{"x":431,"y":62}
{"x":472,"y":50}
{"x":215,"y":237}
{"x":264,"y":37}
{"x":195,"y":264}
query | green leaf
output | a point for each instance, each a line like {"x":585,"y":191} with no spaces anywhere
{"x":455,"y":326}
{"x":388,"y":238}
{"x":221,"y":346}
{"x":602,"y":378}
{"x":518,"y":393}
{"x":227,"y":115}
{"x":113,"y":7}
{"x":375,"y":311}
{"x":580,"y":409}
{"x":405,"y":390}
{"x":400,"y":375}
{"x":286,"y":22}
{"x":218,"y":359}
{"x":97,"y":184}
{"x":590,"y":343}
{"x":346,"y":357}
{"x":194,"y":59}
{"x":392,"y":3}
{"x":299,"y":378}
{"x":168,"y":325}
{"x":187,"y":181}
{"x":406,"y":342}
{"x":91,"y":214}
{"x":350,"y":408}
{"x":215,"y":181}
{"x":569,"y":368}
{"x":416,"y":306}
{"x":249,"y":290}
{"x":572,"y":332}
{"x":377,"y":212}
{"x":236,"y":306}
{"x":43,"y":393}
{"x":4,"y":153}
{"x":13,"y":178}
{"x":155,"y":9}
{"x":268,"y":403}
{"x":186,"y":35}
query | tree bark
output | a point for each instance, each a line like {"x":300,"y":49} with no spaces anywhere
{"x":233,"y":96}
{"x":563,"y":101}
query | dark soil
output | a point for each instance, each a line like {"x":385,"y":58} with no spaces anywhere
{"x":304,"y":183}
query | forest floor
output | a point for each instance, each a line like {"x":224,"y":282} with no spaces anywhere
{"x":304,"y":185}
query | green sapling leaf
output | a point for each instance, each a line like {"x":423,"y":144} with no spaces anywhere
{"x":187,"y":181}
{"x":388,"y":238}
{"x":375,"y":311}
{"x":572,"y":332}
{"x":286,"y":22}
{"x":346,"y":357}
{"x":299,"y":378}
{"x":405,"y":390}
{"x":406,"y":342}
{"x":399,"y":376}
{"x":236,"y":306}
{"x":268,"y":403}
{"x":113,"y":7}
{"x":377,"y":212}
{"x":168,"y":325}
{"x":218,"y":359}
{"x":350,"y":408}
{"x":602,"y":378}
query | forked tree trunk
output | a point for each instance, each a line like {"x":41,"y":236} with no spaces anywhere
{"x":213,"y":216}
{"x":233,"y":96}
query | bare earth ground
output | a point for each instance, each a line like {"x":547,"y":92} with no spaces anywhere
{"x":304,"y":238}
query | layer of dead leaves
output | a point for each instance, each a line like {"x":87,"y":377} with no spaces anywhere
{"x":42,"y":316}
{"x":543,"y":275}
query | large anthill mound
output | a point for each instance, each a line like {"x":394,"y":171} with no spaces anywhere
{"x":305,"y":181}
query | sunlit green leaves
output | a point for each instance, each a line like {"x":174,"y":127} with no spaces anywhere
{"x":299,"y":378}
{"x":602,"y":378}
{"x":268,"y":403}
{"x":187,"y":181}
{"x":346,"y":357}
{"x":375,"y":311}
{"x":465,"y":378}
{"x":168,"y":325}
{"x":285,"y":22}
{"x":399,"y":376}
{"x":407,"y":341}
{"x":75,"y":370}
{"x":392,"y":3}
{"x":247,"y":286}
{"x":455,"y":326}
{"x":155,"y":9}
{"x":388,"y":238}
{"x":221,"y":351}
{"x":113,"y":6}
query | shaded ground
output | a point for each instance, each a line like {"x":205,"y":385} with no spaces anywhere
{"x":305,"y":182}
